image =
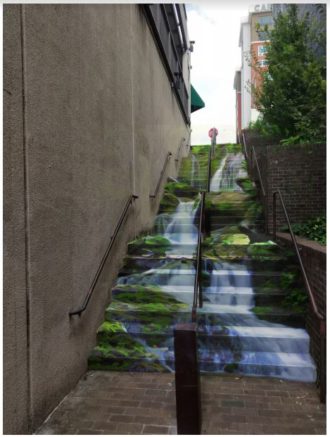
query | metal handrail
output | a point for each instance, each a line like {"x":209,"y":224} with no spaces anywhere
{"x":209,"y":171}
{"x":121,"y":220}
{"x":254,"y":159}
{"x":258,"y":170}
{"x":179,"y":150}
{"x":310,"y":292}
{"x":168,"y":157}
{"x":316,"y":311}
{"x":198,"y":296}
{"x":244,"y":144}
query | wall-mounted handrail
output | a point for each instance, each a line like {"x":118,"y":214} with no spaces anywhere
{"x":179,"y":150}
{"x":315,"y":309}
{"x":121,"y":220}
{"x":198,"y":296}
{"x":168,"y":157}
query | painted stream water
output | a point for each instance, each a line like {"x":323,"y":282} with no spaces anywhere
{"x":232,"y":336}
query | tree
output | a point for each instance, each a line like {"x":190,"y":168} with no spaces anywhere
{"x":292,"y":99}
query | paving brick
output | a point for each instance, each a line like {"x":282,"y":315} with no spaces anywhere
{"x":129,"y":428}
{"x":231,"y":405}
{"x":105,"y":426}
{"x":153,"y":429}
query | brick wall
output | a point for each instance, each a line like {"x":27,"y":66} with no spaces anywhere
{"x":313,"y":256}
{"x":298,"y":171}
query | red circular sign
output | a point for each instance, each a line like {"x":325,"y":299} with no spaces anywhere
{"x":211,"y":132}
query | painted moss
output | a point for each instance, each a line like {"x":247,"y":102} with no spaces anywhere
{"x":141,"y":296}
{"x":274,"y":310}
{"x":120,"y":351}
{"x":125,"y":365}
{"x":235,"y":238}
{"x":140,"y":320}
{"x":150,"y":244}
{"x":111,"y":327}
{"x":169,"y":202}
{"x":263,"y":250}
{"x":248,"y":186}
{"x":181,"y":189}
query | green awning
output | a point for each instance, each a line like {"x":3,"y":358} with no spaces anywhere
{"x":196,"y":100}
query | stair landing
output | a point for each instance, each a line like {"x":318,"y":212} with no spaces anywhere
{"x":112,"y":403}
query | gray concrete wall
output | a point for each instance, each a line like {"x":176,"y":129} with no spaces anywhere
{"x":15,"y":364}
{"x":99,"y":119}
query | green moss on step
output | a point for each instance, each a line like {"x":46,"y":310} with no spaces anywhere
{"x":263,"y":250}
{"x":238,"y":239}
{"x":181,"y":189}
{"x":227,"y":252}
{"x":150,"y":244}
{"x":296,"y":300}
{"x":111,"y":327}
{"x":261,"y":310}
{"x":231,"y":368}
{"x":248,"y":186}
{"x":137,"y":298}
{"x":121,"y":345}
{"x":254,"y":211}
{"x":233,"y":148}
{"x":169,"y":202}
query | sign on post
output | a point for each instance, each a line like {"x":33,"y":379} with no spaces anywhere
{"x":213,"y":132}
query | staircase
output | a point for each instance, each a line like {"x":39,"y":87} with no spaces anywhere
{"x":252,"y":319}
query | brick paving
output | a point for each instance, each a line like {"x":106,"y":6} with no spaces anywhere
{"x":144,"y":403}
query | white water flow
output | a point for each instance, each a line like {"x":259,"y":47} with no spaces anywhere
{"x":194,"y":176}
{"x":231,"y":294}
{"x":161,"y":223}
{"x":230,"y":169}
{"x":216,"y":179}
{"x":181,"y":230}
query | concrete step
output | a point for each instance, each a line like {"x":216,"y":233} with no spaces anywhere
{"x":160,"y":357}
{"x":137,"y":264}
{"x":275,"y":338}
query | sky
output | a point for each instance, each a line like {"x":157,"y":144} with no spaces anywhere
{"x":215,"y":29}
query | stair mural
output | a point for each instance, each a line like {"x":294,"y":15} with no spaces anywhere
{"x":254,"y":303}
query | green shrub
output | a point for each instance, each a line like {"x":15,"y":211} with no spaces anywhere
{"x":313,"y":229}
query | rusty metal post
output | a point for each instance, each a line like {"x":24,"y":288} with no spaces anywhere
{"x":274,"y":216}
{"x":209,"y":171}
{"x":187,"y":382}
{"x":323,"y":363}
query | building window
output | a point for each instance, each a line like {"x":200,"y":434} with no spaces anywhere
{"x":262,"y":50}
{"x":263,"y":63}
{"x":265,"y":21}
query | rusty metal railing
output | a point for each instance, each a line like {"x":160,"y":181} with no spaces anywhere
{"x":209,"y":165}
{"x":168,"y":157}
{"x":121,"y":220}
{"x":198,"y":294}
{"x":316,"y":312}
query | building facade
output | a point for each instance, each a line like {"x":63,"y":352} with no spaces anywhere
{"x":253,"y":43}
{"x":95,"y":99}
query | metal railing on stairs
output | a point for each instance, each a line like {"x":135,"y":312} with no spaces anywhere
{"x":209,"y":169}
{"x":253,"y":160}
{"x":198,"y":293}
{"x":121,"y":220}
{"x":187,"y":378}
{"x":321,"y":319}
{"x":168,"y":157}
